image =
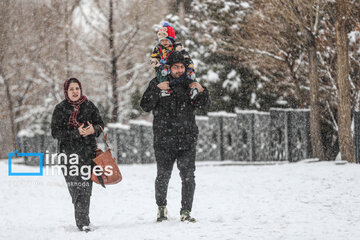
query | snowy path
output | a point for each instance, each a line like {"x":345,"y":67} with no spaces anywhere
{"x":288,"y":201}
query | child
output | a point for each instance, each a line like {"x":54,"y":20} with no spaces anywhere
{"x":162,"y":51}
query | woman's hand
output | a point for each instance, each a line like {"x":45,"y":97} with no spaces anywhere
{"x":89,"y":129}
{"x":82,"y":130}
{"x":86,"y":131}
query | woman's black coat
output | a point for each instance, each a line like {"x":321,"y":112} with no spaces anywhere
{"x":70,"y":141}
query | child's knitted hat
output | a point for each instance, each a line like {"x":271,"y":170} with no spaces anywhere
{"x":166,"y":32}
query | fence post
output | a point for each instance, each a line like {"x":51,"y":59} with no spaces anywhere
{"x":357,"y":136}
{"x":215,"y":124}
{"x":142,"y":141}
{"x":253,"y":135}
{"x":119,"y":135}
{"x":204,"y":144}
{"x":290,"y":134}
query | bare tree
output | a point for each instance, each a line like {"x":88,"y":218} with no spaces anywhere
{"x":278,"y":35}
{"x":180,"y":8}
{"x":113,"y":53}
{"x":4,"y":44}
{"x":125,"y":27}
{"x":344,"y":8}
{"x":68,"y":24}
{"x":31,"y":63}
{"x":305,"y":15}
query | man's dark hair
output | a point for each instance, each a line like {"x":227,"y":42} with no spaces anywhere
{"x":176,"y":57}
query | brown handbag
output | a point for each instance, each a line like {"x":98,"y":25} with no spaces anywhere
{"x":106,"y":161}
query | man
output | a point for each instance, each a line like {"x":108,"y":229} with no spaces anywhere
{"x":173,"y":103}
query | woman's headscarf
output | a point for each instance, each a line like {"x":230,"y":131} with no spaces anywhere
{"x":76,"y":104}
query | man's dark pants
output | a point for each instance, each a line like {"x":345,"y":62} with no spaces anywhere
{"x":185,"y":159}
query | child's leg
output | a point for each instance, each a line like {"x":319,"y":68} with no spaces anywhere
{"x":192,"y":78}
{"x":160,"y":77}
{"x":191,"y":74}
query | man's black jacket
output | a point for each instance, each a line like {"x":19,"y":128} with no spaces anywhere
{"x":174,"y":123}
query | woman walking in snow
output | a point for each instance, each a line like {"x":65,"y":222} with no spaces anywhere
{"x":75,"y":123}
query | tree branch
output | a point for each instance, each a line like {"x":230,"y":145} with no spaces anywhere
{"x":91,"y":24}
{"x":126,"y":44}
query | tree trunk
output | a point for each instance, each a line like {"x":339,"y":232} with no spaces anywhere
{"x":115,"y":100}
{"x":299,"y":95}
{"x":68,"y":24}
{"x":344,"y":102}
{"x":11,"y":115}
{"x":4,"y":40}
{"x":317,"y":146}
{"x":67,"y":29}
{"x":178,"y":6}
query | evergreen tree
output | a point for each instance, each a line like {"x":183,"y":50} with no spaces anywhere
{"x":136,"y":110}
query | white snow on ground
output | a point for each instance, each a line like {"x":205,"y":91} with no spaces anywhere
{"x":318,"y":200}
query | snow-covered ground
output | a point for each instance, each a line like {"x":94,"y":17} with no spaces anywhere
{"x":288,"y":201}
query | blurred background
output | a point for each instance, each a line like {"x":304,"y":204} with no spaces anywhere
{"x":251,"y":54}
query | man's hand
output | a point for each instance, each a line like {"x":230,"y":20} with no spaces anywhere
{"x":196,"y":85}
{"x":164,"y":85}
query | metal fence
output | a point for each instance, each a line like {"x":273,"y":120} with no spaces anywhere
{"x":277,"y":135}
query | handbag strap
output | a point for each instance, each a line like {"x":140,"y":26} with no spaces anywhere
{"x":105,"y":137}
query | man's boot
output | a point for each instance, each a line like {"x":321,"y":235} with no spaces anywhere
{"x":185,"y":216}
{"x":162,"y":213}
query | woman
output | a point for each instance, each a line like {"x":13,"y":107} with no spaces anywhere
{"x":75,"y":123}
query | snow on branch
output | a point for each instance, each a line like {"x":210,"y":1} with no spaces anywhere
{"x":138,"y":66}
{"x":102,"y":58}
{"x":262,"y":52}
{"x":104,"y":34}
{"x":126,"y":44}
{"x":333,"y":123}
{"x":79,"y":69}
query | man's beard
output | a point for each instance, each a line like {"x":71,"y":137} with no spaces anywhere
{"x":178,"y":80}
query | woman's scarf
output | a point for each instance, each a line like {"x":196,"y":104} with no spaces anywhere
{"x":76,"y":104}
